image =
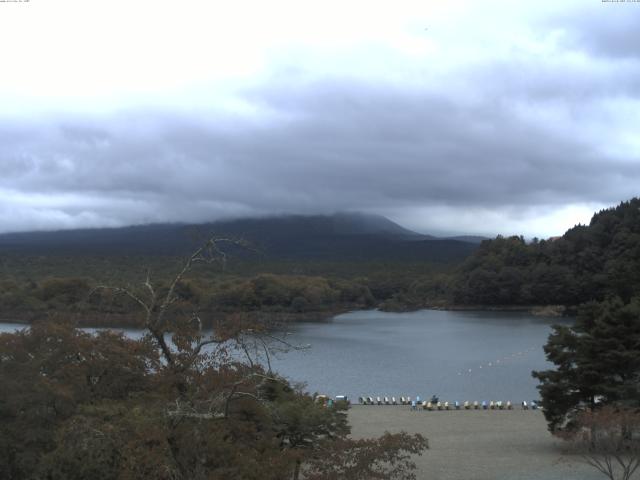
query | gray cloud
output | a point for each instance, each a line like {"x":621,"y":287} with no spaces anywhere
{"x":341,"y":146}
{"x":517,"y":136}
{"x":608,"y":31}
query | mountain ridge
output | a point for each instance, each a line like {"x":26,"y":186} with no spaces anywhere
{"x":345,"y":235}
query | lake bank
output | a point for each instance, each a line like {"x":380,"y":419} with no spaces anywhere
{"x":477,"y":445}
{"x":537,"y":310}
{"x":135,"y":320}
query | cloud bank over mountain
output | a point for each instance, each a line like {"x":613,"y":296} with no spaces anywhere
{"x":500,"y":119}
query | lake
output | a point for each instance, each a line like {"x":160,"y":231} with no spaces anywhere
{"x":456,"y":355}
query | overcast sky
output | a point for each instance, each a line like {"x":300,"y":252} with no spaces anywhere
{"x":447,"y":116}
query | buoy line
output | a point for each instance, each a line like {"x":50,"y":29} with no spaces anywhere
{"x":498,"y":362}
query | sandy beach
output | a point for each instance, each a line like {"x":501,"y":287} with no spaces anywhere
{"x":476,"y":444}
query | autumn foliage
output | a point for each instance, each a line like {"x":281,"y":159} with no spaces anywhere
{"x":180,"y":402}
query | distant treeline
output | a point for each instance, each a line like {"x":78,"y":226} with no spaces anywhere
{"x":292,"y":296}
{"x":587,"y":263}
{"x":93,"y":305}
{"x":39,"y":286}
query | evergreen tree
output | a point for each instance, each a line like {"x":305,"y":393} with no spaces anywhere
{"x":587,"y":263}
{"x":597,"y":362}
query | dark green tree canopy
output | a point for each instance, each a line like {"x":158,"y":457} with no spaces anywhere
{"x":597,"y":361}
{"x":587,"y":263}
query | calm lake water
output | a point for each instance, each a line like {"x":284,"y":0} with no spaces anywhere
{"x":456,"y":355}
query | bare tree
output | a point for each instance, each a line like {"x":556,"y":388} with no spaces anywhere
{"x":608,"y":439}
{"x":156,"y":306}
{"x":189,"y":340}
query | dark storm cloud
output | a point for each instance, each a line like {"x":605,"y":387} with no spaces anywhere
{"x":509,"y":134}
{"x":330,"y":145}
{"x":420,"y":147}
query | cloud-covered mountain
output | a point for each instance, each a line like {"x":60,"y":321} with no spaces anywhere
{"x":500,"y":117}
{"x":342,"y":236}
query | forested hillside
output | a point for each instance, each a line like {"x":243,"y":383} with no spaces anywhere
{"x":302,"y":266}
{"x":326,"y":238}
{"x":586,"y":263}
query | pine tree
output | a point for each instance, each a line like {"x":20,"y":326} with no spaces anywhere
{"x":597,"y":362}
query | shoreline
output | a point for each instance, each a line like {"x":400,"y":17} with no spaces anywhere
{"x":536,"y":310}
{"x":122,"y":320}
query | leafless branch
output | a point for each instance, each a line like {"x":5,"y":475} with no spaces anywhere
{"x":156,"y":310}
{"x":608,"y":441}
{"x":284,"y":342}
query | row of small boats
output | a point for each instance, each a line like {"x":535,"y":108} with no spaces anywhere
{"x":438,"y":405}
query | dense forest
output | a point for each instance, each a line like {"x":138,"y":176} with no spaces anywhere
{"x":282,"y":295}
{"x":35,"y":288}
{"x":303,"y":296}
{"x":589,"y":262}
{"x":291,"y":267}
